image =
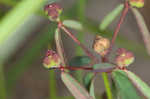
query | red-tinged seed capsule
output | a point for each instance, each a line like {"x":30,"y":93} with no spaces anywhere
{"x":124,"y":58}
{"x":137,"y":3}
{"x":101,"y":45}
{"x":53,"y":11}
{"x":51,"y":60}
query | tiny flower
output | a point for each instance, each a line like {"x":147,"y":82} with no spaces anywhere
{"x":124,"y":58}
{"x":136,"y":3}
{"x":51,"y":60}
{"x":101,"y":45}
{"x":53,"y":11}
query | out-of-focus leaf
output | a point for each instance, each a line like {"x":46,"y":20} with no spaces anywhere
{"x":59,"y":46}
{"x":143,"y":28}
{"x":8,"y":2}
{"x":110,"y":17}
{"x":80,"y":61}
{"x":103,"y":67}
{"x":74,"y":87}
{"x":89,"y":84}
{"x":73,"y":24}
{"x":124,"y":86}
{"x":14,"y":41}
{"x":17,"y":16}
{"x":141,"y":85}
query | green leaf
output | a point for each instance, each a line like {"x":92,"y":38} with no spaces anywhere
{"x":87,"y":80}
{"x":110,"y":17}
{"x":141,"y":85}
{"x":114,"y":90}
{"x":89,"y":84}
{"x":74,"y":87}
{"x":143,"y":28}
{"x":124,"y":86}
{"x":73,"y":24}
{"x":92,"y":92}
{"x":59,"y":45}
{"x":103,"y":67}
{"x":80,"y":61}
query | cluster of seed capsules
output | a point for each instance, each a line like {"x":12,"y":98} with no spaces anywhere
{"x":101,"y":44}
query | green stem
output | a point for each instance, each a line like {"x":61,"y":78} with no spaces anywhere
{"x":52,"y":85}
{"x":81,"y":9}
{"x":107,"y":85}
{"x":2,"y":84}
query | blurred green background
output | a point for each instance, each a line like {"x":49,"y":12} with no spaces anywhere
{"x":26,"y":34}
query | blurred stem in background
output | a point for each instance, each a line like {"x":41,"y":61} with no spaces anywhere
{"x":52,"y":85}
{"x":80,"y":8}
{"x":30,"y":55}
{"x":2,"y":83}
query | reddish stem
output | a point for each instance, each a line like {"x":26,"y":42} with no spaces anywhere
{"x":78,"y":68}
{"x":120,"y":22}
{"x":60,"y":25}
{"x":108,"y":70}
{"x":124,"y":13}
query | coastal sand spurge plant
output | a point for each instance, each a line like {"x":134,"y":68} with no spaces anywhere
{"x":124,"y":82}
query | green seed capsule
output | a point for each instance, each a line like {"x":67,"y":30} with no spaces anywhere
{"x":51,"y":60}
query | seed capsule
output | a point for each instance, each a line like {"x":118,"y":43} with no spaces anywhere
{"x":51,"y":60}
{"x":101,"y":45}
{"x":136,"y":3}
{"x":53,"y":11}
{"x":124,"y":58}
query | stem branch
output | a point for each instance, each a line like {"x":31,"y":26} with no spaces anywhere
{"x":77,"y":41}
{"x":120,"y":22}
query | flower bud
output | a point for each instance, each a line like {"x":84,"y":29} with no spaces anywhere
{"x":53,"y":11}
{"x":124,"y":58}
{"x":51,"y":60}
{"x":101,"y":45}
{"x":136,"y":3}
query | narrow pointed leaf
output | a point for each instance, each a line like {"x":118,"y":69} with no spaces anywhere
{"x":141,"y":85}
{"x":143,"y":28}
{"x":89,"y":84}
{"x":110,"y":17}
{"x":80,"y":61}
{"x":91,"y":91}
{"x":74,"y":87}
{"x":87,"y":80}
{"x":73,"y":24}
{"x":59,"y":45}
{"x":125,"y":89}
